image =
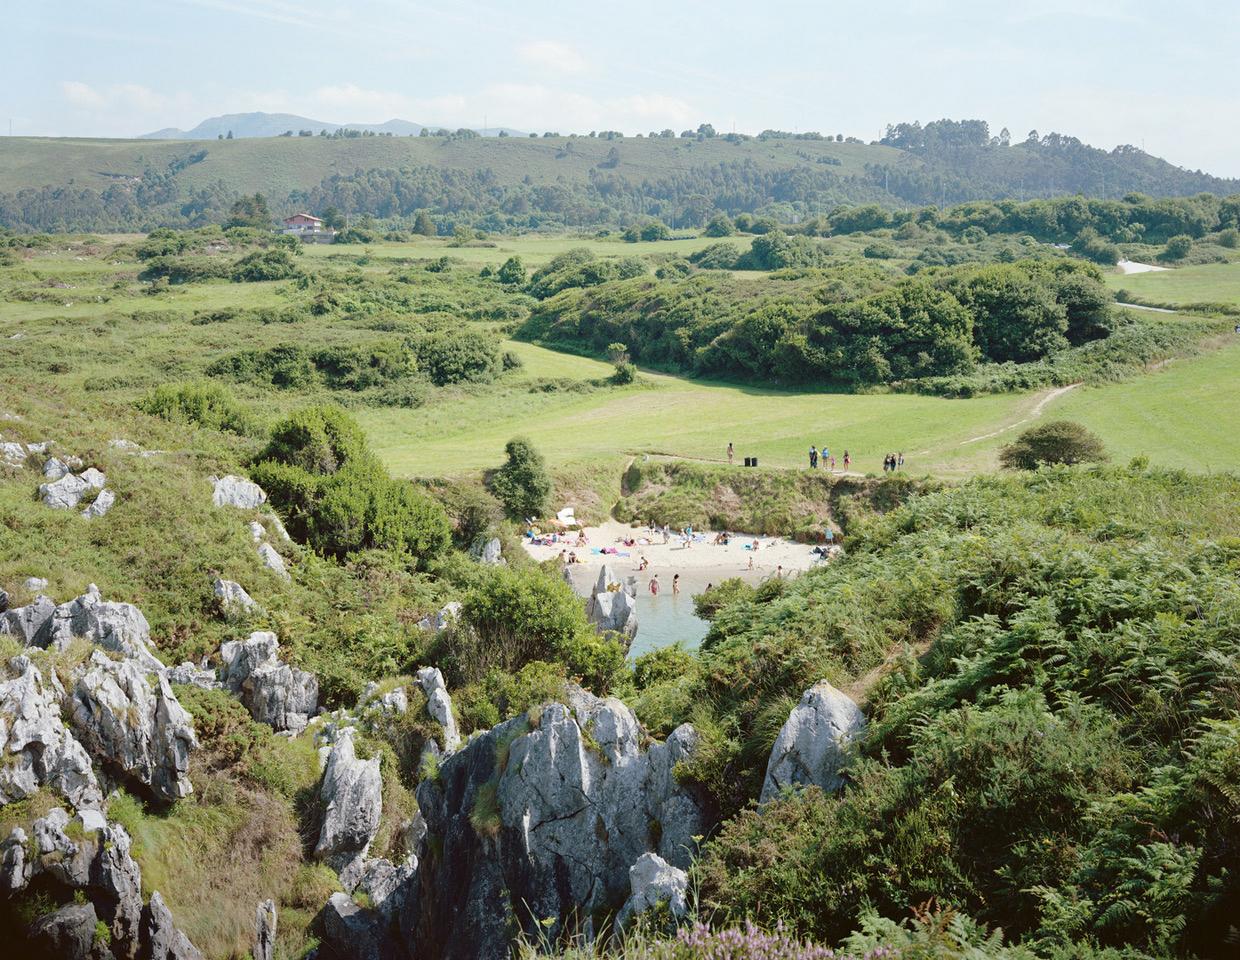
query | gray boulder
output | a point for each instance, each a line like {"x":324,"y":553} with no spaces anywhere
{"x":54,"y":468}
{"x":539,"y":825}
{"x":34,"y":584}
{"x":444,"y":618}
{"x":12,"y":454}
{"x":14,"y":870}
{"x":351,"y":796}
{"x":119,"y":627}
{"x":275,"y":693}
{"x":38,"y":749}
{"x":231,"y":491}
{"x":66,"y":492}
{"x":188,"y":675}
{"x":134,"y":725}
{"x":439,"y":705}
{"x":101,"y":505}
{"x":29,"y":623}
{"x":814,"y":743}
{"x":350,"y":931}
{"x":67,"y":934}
{"x":265,"y":931}
{"x":272,"y":560}
{"x":161,"y":940}
{"x":654,"y":882}
{"x":612,"y":607}
{"x":232,"y":597}
{"x":488,"y":551}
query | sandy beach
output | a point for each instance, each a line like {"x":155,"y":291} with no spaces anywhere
{"x":702,"y":564}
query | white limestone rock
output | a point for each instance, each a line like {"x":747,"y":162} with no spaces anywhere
{"x":351,"y":796}
{"x":272,"y":560}
{"x":38,"y":750}
{"x":275,"y":693}
{"x":439,"y":705}
{"x":101,"y":505}
{"x":133,"y":723}
{"x":232,"y":597}
{"x":654,"y":882}
{"x":119,"y":627}
{"x":814,"y":743}
{"x":232,"y":491}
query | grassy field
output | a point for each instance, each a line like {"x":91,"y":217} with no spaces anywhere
{"x":1208,"y":283}
{"x":1172,"y":416}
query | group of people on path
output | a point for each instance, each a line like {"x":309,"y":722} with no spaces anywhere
{"x":826,"y":458}
{"x":893,"y":462}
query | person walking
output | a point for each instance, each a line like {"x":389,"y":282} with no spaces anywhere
{"x":654,"y":585}
{"x":731,"y":452}
{"x":813,"y":457}
{"x":900,"y":462}
{"x":847,"y":461}
{"x":833,"y":464}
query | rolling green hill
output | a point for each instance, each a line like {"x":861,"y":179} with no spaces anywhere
{"x":529,"y":183}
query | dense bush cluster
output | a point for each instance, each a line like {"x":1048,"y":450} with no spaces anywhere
{"x":337,"y":497}
{"x":854,"y":326}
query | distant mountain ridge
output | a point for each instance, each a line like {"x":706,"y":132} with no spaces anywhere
{"x":259,"y":124}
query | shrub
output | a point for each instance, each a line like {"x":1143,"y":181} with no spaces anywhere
{"x":464,"y":356}
{"x":1060,"y":441}
{"x":522,"y":484}
{"x":1178,"y":247}
{"x":274,"y":264}
{"x":206,"y":405}
{"x":719,"y":226}
{"x":512,"y":272}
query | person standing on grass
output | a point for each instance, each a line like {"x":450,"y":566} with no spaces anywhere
{"x":900,"y":461}
{"x":847,"y":461}
{"x":731,"y":452}
{"x":833,"y":464}
{"x":813,"y":456}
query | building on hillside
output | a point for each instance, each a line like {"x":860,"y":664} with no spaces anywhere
{"x":308,"y":228}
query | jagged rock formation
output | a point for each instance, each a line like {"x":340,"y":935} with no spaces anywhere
{"x":351,"y":931}
{"x":66,"y":934}
{"x":265,"y":931}
{"x":654,"y":882}
{"x":232,"y":597}
{"x":186,"y":674}
{"x":99,"y":864}
{"x":232,"y":491}
{"x":488,"y":551}
{"x":38,"y":749}
{"x":439,"y":706}
{"x":118,"y":627}
{"x":813,"y":744}
{"x":272,"y":560}
{"x":101,"y":505}
{"x":133,"y":726}
{"x":529,"y":823}
{"x":274,"y":692}
{"x":612,"y":606}
{"x":351,"y":796}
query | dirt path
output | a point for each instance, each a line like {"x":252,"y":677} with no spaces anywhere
{"x":1034,"y":412}
{"x":1141,"y":306}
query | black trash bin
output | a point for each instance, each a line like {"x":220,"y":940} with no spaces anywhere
{"x":755,"y":462}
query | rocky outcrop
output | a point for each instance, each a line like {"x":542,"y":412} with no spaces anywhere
{"x":186,"y":674}
{"x":101,"y":505}
{"x":447,"y":615}
{"x":66,"y":934}
{"x":272,"y":560}
{"x":612,"y":607}
{"x":489,"y":552}
{"x":654,"y":883}
{"x":161,"y":940}
{"x":94,"y":857}
{"x":265,"y":931}
{"x":118,"y":627}
{"x":232,"y":491}
{"x":439,"y":706}
{"x":351,"y":797}
{"x":67,"y":492}
{"x":38,"y":750}
{"x":28,"y":623}
{"x":134,"y":726}
{"x":232,"y":597}
{"x":275,"y":693}
{"x":814,"y":743}
{"x":350,"y":931}
{"x":540,"y":824}
{"x":12,"y":454}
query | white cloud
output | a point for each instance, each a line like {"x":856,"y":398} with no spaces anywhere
{"x":81,"y":94}
{"x":552,"y":55}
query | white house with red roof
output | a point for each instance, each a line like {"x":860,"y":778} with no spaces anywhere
{"x":308,"y":228}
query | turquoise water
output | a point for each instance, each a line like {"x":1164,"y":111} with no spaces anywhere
{"x":661,"y":620}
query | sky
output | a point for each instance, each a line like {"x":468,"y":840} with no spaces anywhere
{"x":1151,"y":74}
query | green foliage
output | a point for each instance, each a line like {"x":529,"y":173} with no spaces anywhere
{"x":1178,"y":247}
{"x":274,"y":264}
{"x":463,"y":356}
{"x":581,"y":268}
{"x":249,"y":212}
{"x":512,"y":272}
{"x":206,"y":405}
{"x":1059,"y":441}
{"x":522,"y":484}
{"x":338,"y":498}
{"x":518,"y":616}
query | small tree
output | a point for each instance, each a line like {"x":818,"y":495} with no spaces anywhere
{"x":617,"y":352}
{"x":522,"y":484}
{"x":1060,"y":441}
{"x":512,"y":272}
{"x":424,"y":225}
